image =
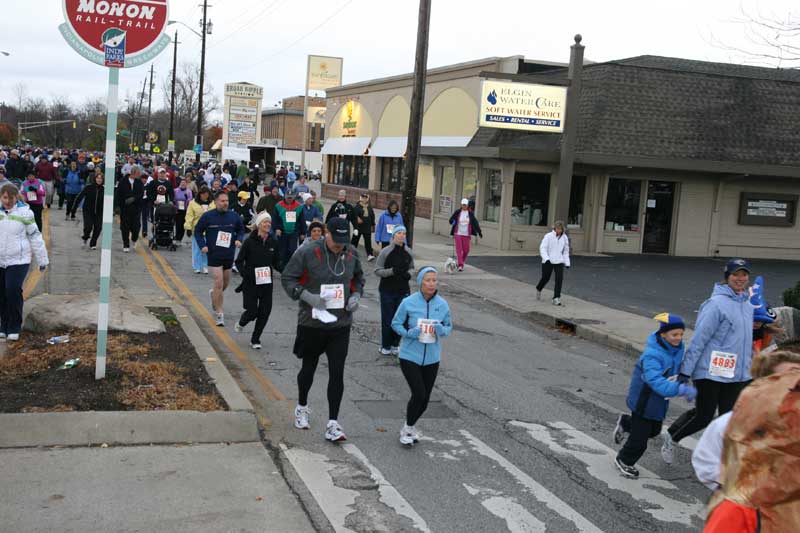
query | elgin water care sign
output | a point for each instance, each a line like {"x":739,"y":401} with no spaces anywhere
{"x":522,"y":106}
{"x":116,"y":33}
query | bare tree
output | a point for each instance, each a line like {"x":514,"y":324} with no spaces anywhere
{"x":770,"y":40}
{"x":20,"y":90}
{"x":187,"y":88}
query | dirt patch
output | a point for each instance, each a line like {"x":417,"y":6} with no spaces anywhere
{"x":144,"y":372}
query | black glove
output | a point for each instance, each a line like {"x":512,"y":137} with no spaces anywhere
{"x":397,"y":270}
{"x":406,"y":275}
{"x":188,"y":233}
{"x":683,"y":378}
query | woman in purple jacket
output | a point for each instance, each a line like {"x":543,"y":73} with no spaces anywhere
{"x":183,"y":195}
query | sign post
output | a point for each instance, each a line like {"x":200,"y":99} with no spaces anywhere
{"x":115,"y":35}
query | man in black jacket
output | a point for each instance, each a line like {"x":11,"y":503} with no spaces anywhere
{"x":363,"y":225}
{"x":92,"y":196}
{"x":340,"y":208}
{"x":130,"y":196}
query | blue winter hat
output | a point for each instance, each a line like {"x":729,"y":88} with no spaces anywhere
{"x":761,"y":310}
{"x":422,"y":273}
{"x":668,"y":322}
{"x":399,"y":227}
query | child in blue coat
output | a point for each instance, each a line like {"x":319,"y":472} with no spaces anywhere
{"x":654,"y":379}
{"x":421,"y":321}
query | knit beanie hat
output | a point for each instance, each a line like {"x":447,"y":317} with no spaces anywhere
{"x":762,"y":312}
{"x":668,"y":322}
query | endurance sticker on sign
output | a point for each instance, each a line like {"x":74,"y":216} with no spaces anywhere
{"x":522,"y":106}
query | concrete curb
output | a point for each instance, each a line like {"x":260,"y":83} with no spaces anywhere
{"x":18,"y":430}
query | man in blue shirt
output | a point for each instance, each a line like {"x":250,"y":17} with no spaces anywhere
{"x":219,"y":232}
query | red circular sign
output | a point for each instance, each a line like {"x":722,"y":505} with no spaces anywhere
{"x":99,"y":23}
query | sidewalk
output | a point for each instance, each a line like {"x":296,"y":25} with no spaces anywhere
{"x":215,"y":486}
{"x":605,"y":325}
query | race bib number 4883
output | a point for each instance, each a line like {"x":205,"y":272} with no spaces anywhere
{"x":722,"y":364}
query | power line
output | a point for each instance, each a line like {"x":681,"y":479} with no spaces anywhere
{"x":303,"y":37}
{"x":246,"y":24}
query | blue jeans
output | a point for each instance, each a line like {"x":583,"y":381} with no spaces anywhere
{"x":199,"y":259}
{"x":11,"y":279}
{"x":287,"y":244}
{"x":390,"y":301}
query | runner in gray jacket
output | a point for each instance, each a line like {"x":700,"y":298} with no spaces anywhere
{"x":326,"y":277}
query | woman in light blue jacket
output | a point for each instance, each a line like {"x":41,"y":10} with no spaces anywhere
{"x":421,"y":321}
{"x":719,"y":356}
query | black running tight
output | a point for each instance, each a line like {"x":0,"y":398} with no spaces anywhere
{"x":420,"y":380}
{"x":313,"y":342}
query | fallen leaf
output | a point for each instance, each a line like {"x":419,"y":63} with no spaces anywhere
{"x":211,"y":359}
{"x":380,"y":430}
{"x":259,"y":498}
{"x":104,"y":445}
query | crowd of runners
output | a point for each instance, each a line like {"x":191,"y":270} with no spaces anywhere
{"x":252,"y":230}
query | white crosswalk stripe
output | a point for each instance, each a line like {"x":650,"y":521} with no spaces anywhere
{"x":518,"y":519}
{"x":599,"y":460}
{"x":534,"y":488}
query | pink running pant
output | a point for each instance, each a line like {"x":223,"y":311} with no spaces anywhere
{"x":462,"y":248}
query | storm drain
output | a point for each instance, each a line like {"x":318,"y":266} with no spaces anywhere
{"x":396,"y":409}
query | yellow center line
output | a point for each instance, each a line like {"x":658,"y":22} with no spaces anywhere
{"x":155,"y":274}
{"x":34,"y":276}
{"x":267,"y":386}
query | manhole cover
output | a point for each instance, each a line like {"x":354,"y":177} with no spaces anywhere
{"x":397,"y":409}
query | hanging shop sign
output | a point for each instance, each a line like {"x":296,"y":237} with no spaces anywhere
{"x":522,"y":106}
{"x":324,"y":72}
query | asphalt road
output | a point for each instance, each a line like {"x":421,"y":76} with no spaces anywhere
{"x":645,"y":284}
{"x":517,"y":436}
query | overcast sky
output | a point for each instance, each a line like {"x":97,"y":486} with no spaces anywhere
{"x":266,"y":41}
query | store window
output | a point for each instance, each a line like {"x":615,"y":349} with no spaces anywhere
{"x":350,"y":170}
{"x":447,"y":190}
{"x":391,"y":174}
{"x":576,"y":196}
{"x":622,"y":205}
{"x":491,"y":202}
{"x":531,"y":198}
{"x":469,"y":185}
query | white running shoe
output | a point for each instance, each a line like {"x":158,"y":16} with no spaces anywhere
{"x":126,"y":250}
{"x":386,"y":351}
{"x":13,"y":336}
{"x":220,"y":320}
{"x":556,"y":301}
{"x":407,"y":436}
{"x":237,"y":327}
{"x":370,"y":258}
{"x":301,"y":417}
{"x":668,"y":448}
{"x":395,"y":350}
{"x":197,"y":270}
{"x":205,"y":270}
{"x":255,"y":345}
{"x":334,"y":432}
{"x":2,"y":336}
{"x":538,"y":295}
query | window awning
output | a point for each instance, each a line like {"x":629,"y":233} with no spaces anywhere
{"x":346,"y":146}
{"x":389,"y":147}
{"x":217,"y":146}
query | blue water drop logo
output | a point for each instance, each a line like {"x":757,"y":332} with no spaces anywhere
{"x":492,"y":97}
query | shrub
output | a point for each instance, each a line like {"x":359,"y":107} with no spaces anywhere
{"x":791,"y":297}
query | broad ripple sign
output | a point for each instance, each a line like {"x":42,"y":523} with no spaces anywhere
{"x":522,"y":106}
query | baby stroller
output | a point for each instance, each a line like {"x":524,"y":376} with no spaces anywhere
{"x":164,"y":227}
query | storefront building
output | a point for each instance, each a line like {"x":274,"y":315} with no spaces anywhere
{"x":672,"y":156}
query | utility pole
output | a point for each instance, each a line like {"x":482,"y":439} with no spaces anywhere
{"x":199,"y":134}
{"x":172,"y":99}
{"x":305,"y":124}
{"x":411,"y":167}
{"x":138,"y":112}
{"x":150,"y":100}
{"x":567,"y":161}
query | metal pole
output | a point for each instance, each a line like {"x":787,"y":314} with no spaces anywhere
{"x":108,"y":216}
{"x":172,"y":100}
{"x":305,"y":124}
{"x":150,"y":101}
{"x":567,"y":161}
{"x":411,"y":167}
{"x":199,"y":135}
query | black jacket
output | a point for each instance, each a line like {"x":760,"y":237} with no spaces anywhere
{"x":92,"y":196}
{"x":256,"y":252}
{"x":340,"y":208}
{"x":244,"y":211}
{"x":129,"y":197}
{"x":152,"y":190}
{"x":475,"y":228}
{"x":367,"y":218}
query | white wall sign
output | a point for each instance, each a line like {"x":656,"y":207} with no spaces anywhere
{"x":522,"y":106}
{"x":315,"y":115}
{"x":241,"y":125}
{"x":324,"y":72}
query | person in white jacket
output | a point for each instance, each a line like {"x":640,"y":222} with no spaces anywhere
{"x":707,"y":455}
{"x":554,"y":251}
{"x":18,"y":236}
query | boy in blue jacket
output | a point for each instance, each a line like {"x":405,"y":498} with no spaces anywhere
{"x":654,"y":380}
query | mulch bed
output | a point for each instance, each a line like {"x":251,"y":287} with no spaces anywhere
{"x":144,"y":372}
